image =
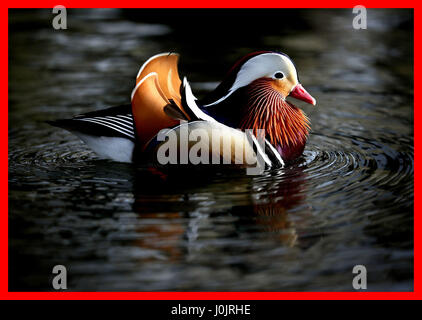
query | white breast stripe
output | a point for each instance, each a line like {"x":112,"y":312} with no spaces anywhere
{"x":190,"y":100}
{"x":109,"y":125}
{"x":279,"y":158}
{"x":259,"y":149}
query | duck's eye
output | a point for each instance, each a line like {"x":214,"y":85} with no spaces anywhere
{"x":279,"y":75}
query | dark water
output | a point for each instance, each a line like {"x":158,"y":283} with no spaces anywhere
{"x":347,"y":201}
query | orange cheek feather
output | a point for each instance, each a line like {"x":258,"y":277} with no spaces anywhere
{"x":284,"y":124}
{"x":282,"y":86}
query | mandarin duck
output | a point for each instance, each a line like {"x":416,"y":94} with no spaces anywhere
{"x":251,"y":98}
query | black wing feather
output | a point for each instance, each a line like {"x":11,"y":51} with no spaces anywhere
{"x":112,"y":122}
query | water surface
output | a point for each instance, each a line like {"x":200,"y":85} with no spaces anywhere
{"x":118,"y":227}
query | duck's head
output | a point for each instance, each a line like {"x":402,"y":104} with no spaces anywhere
{"x":253,"y":96}
{"x":256,"y":69}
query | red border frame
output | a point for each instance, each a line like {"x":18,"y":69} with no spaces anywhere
{"x":4,"y":294}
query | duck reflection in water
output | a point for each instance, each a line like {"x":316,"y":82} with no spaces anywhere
{"x":183,"y":216}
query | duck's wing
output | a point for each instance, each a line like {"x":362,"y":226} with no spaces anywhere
{"x":156,"y":99}
{"x":165,"y":66}
{"x":112,"y":122}
{"x":157,"y":85}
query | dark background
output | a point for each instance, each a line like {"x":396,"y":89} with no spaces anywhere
{"x":119,"y":227}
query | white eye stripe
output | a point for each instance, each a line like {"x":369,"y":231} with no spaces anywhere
{"x":261,"y":66}
{"x":264,"y":65}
